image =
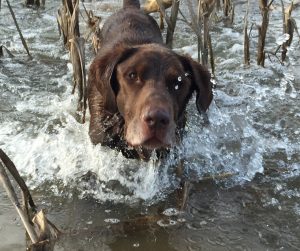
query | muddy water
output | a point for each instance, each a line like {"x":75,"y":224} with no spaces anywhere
{"x":102,"y":201}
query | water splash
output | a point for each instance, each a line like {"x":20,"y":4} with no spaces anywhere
{"x":253,"y":119}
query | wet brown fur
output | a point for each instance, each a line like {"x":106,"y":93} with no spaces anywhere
{"x":134,"y":76}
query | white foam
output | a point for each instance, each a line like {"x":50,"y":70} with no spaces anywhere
{"x":49,"y":146}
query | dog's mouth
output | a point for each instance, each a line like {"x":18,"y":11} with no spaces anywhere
{"x":151,"y":141}
{"x":154,"y":143}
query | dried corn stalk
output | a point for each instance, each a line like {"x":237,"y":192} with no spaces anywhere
{"x":93,"y":28}
{"x":171,"y":21}
{"x":262,"y":31}
{"x":77,"y":57}
{"x":289,"y":27}
{"x":68,"y":20}
{"x":246,"y":38}
{"x":18,"y":28}
{"x":41,"y":231}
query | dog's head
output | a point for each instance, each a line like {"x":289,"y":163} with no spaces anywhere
{"x":150,"y":86}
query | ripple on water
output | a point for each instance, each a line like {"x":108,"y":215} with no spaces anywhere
{"x":249,"y":122}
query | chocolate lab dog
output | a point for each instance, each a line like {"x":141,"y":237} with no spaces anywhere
{"x":138,"y":89}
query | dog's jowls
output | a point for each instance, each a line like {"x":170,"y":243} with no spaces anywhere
{"x":138,"y":89}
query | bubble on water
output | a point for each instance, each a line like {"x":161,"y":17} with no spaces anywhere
{"x":171,"y":212}
{"x":136,"y":245}
{"x":112,"y":220}
{"x":297,"y":209}
{"x":181,"y":220}
{"x":282,"y":39}
{"x":166,"y":223}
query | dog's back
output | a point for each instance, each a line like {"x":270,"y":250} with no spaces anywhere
{"x":131,"y":26}
{"x":131,"y":3}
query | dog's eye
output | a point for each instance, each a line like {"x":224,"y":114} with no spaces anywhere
{"x":132,"y":75}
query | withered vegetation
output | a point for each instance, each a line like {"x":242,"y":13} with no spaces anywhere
{"x":199,"y":16}
{"x":41,"y":232}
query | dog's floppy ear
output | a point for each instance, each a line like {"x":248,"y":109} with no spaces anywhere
{"x":101,"y":75}
{"x":201,"y":83}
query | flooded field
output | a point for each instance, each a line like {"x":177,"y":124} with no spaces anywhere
{"x":102,"y":201}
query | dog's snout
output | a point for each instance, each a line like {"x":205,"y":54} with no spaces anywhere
{"x":156,"y":118}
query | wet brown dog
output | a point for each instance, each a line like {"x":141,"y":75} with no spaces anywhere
{"x":138,"y":89}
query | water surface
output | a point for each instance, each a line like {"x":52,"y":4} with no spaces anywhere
{"x":103,"y":201}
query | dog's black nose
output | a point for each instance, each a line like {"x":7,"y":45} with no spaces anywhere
{"x":157,"y":118}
